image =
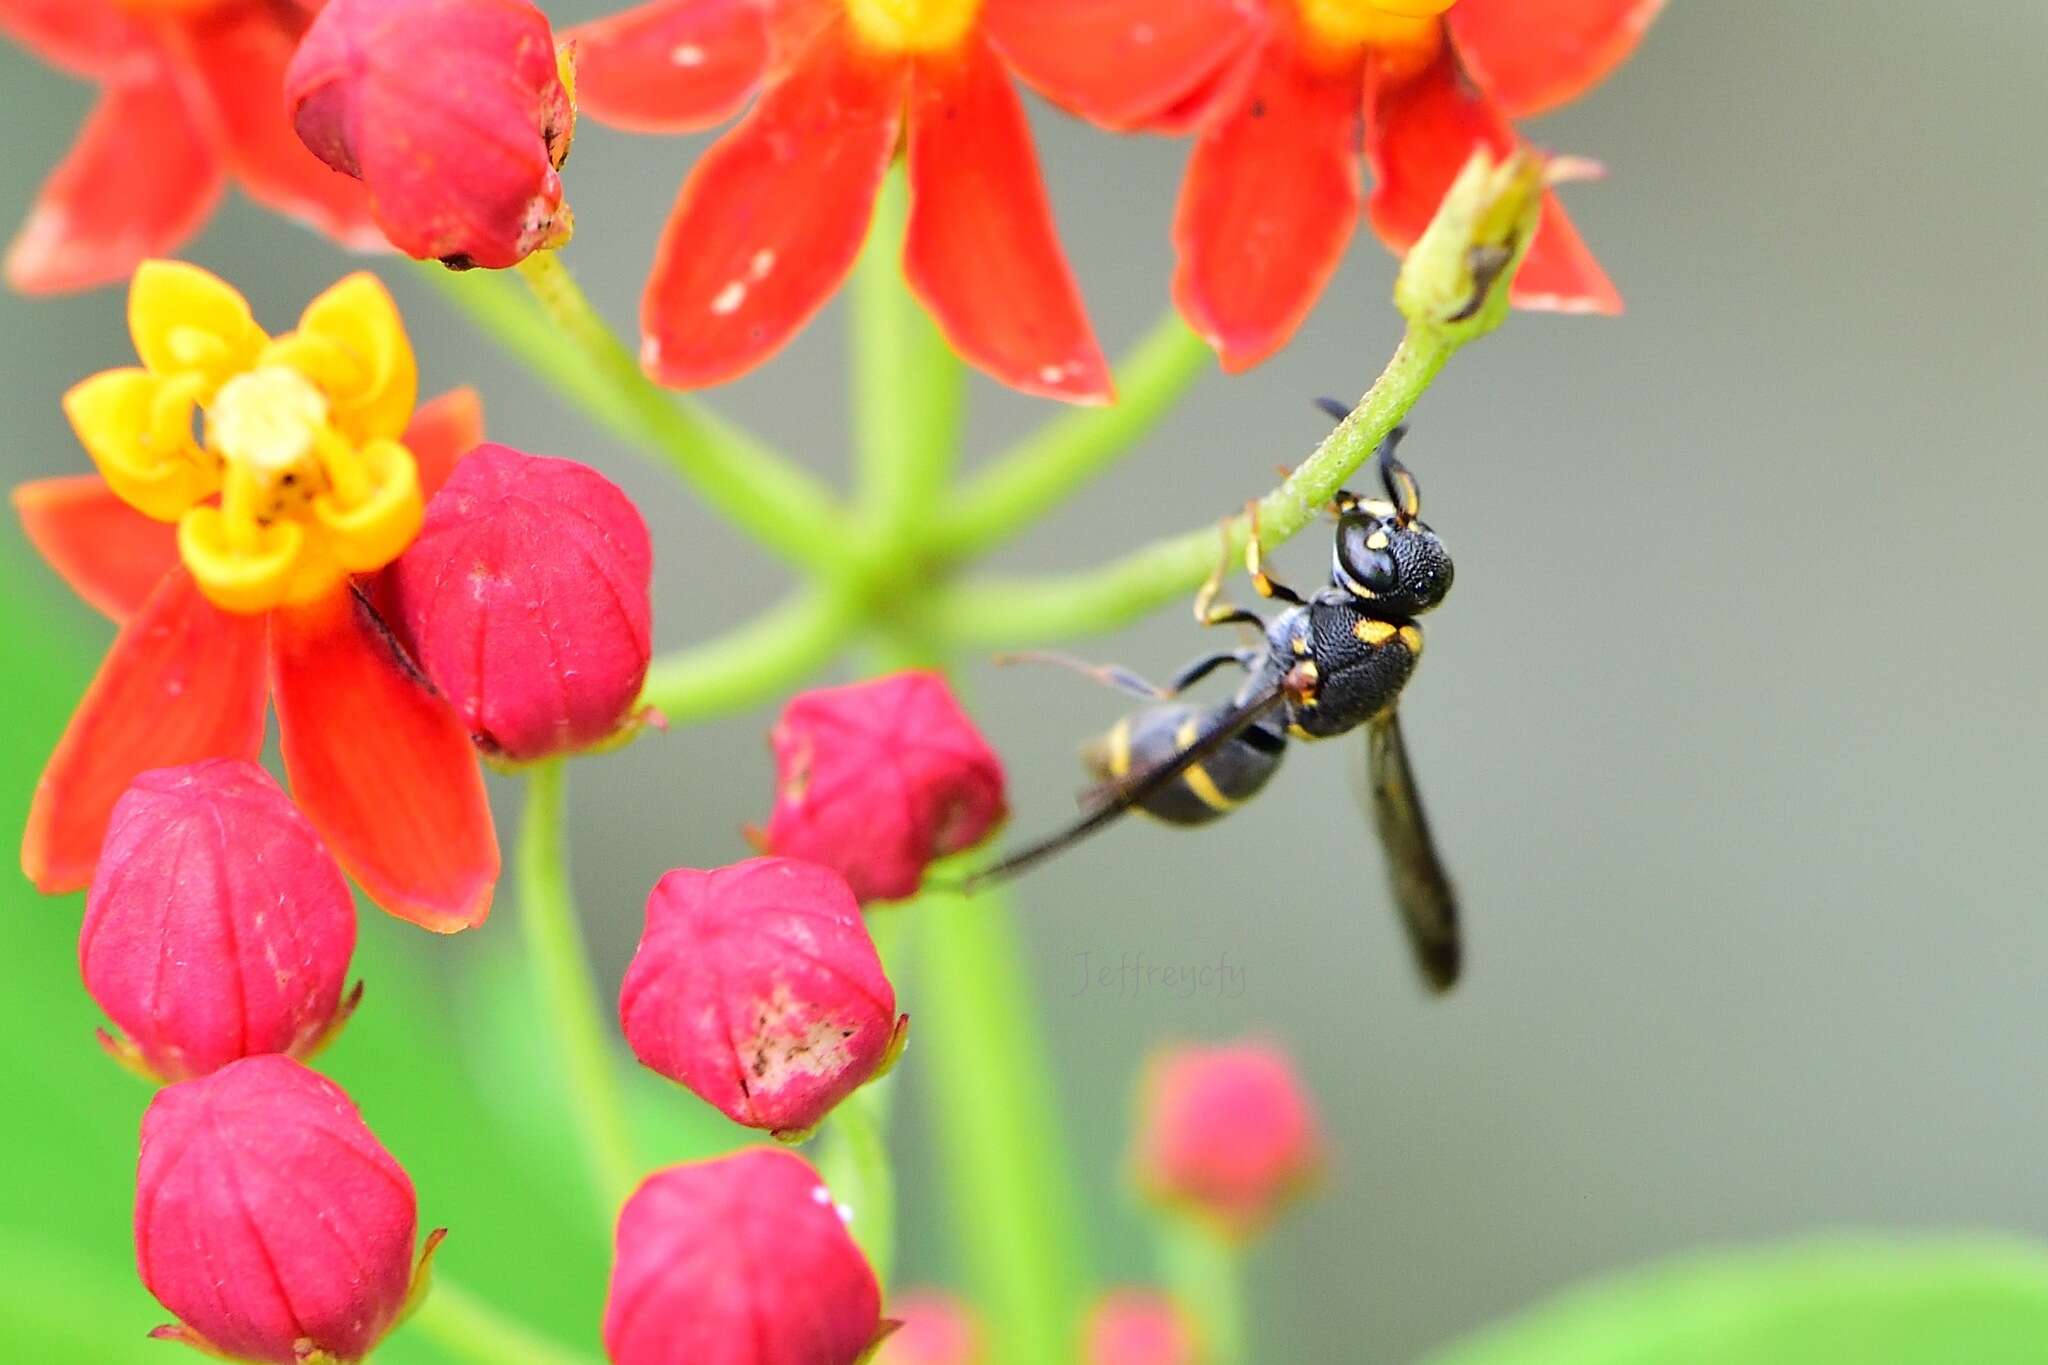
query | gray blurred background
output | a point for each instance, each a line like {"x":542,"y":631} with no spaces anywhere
{"x":1734,"y":728}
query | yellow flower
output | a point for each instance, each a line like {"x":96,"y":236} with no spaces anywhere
{"x":279,"y":459}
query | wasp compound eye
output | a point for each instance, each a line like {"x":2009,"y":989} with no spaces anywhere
{"x":1365,"y":559}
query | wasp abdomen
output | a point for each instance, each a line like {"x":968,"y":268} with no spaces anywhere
{"x":1217,"y":785}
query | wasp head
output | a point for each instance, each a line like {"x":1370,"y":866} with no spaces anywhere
{"x":1386,"y":555}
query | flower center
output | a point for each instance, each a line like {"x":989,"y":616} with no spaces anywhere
{"x":913,"y":25}
{"x":1403,"y":32}
{"x":267,"y":421}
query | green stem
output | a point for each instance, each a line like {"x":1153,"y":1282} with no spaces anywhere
{"x":854,"y":1159}
{"x":1009,"y":613}
{"x":472,"y":1330}
{"x":909,"y":389}
{"x":1016,"y":1210}
{"x":1205,"y":1275}
{"x":767,"y":655}
{"x":565,"y":342}
{"x":1031,"y":478}
{"x":565,"y":993}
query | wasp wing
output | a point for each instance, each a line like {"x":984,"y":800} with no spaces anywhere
{"x":1422,"y":889}
{"x":1111,"y":800}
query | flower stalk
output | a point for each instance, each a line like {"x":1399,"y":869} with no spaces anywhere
{"x":471,"y":1330}
{"x":567,"y":998}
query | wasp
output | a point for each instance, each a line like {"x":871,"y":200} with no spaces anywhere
{"x":1326,"y":665}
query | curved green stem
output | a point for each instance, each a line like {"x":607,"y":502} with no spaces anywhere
{"x":1008,"y":613}
{"x":769,"y":654}
{"x":1016,"y":1209}
{"x":855,"y":1163}
{"x":1205,"y":1275}
{"x":909,"y":389}
{"x":565,"y":994}
{"x":1032,"y":477}
{"x":563,"y":339}
{"x":472,"y":1330}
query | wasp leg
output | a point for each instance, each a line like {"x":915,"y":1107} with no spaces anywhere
{"x":1254,"y":564}
{"x":1211,"y":607}
{"x":1121,"y":679}
{"x":1114,"y":676}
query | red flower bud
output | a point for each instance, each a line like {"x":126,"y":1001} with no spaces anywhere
{"x":880,"y":778}
{"x":933,"y":1329}
{"x":757,"y":986}
{"x":1138,"y":1327}
{"x":743,"y":1260}
{"x":217,"y":925}
{"x":453,"y":113}
{"x":1227,"y":1133}
{"x":524,"y":598}
{"x":268,"y":1218}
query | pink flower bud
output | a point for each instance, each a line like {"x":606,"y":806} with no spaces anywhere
{"x":454,"y":115}
{"x":880,"y":778}
{"x":933,"y":1329}
{"x":1226,"y":1133}
{"x":525,"y":600}
{"x":743,"y":1260}
{"x":1138,"y":1327}
{"x":268,"y":1218}
{"x":217,"y":925}
{"x":757,"y":986}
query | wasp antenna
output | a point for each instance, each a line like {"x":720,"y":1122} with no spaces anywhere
{"x":1402,"y":490}
{"x":1334,"y":409}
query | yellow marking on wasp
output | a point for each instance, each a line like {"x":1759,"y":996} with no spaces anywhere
{"x":1294,"y":727}
{"x":1120,"y":749}
{"x":1205,"y":789}
{"x":1376,"y":541}
{"x":1411,"y":636}
{"x":1375,"y":633}
{"x":1300,"y":645}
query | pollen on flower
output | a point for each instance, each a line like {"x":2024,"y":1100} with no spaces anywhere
{"x":913,"y":25}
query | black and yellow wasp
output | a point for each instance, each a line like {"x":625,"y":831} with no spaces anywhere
{"x":1327,"y":665}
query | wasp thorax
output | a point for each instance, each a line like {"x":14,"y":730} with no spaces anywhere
{"x":1401,"y":568}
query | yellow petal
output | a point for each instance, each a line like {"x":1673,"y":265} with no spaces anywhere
{"x":373,"y":532}
{"x":245,"y":579}
{"x":185,"y":319}
{"x":138,"y":429}
{"x":374,"y":392}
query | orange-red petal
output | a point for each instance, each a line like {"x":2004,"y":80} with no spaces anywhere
{"x":112,"y":556}
{"x":84,"y":37}
{"x":443,"y":430}
{"x":381,"y":766}
{"x":771,"y":219}
{"x":142,"y":176}
{"x":1121,"y":63}
{"x":1270,"y":200}
{"x":1419,"y":134}
{"x":981,"y":250}
{"x":672,"y":66}
{"x":184,"y":681}
{"x":1533,"y":55}
{"x":241,"y":54}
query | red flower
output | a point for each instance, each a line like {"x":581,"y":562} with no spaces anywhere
{"x":524,"y":598}
{"x":932,"y":1329}
{"x":743,"y":1260}
{"x":1138,"y":1327}
{"x":310,"y":472}
{"x":453,"y":113}
{"x":190,"y":95}
{"x":269,"y":1219}
{"x":1226,"y":1133}
{"x":1273,"y":190}
{"x":217,"y":926}
{"x":771,"y":219}
{"x":880,"y":778}
{"x":758,"y":987}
